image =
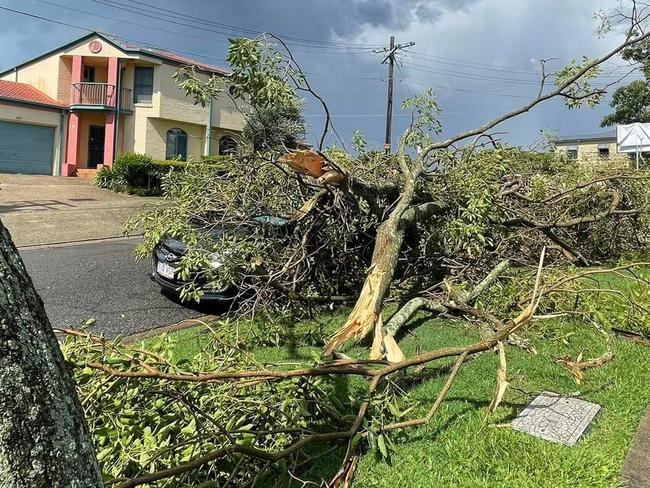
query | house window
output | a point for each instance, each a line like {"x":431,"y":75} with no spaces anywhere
{"x":89,"y":74}
{"x":227,"y":145}
{"x":603,"y":151}
{"x":176,"y":147}
{"x":143,"y":85}
{"x":572,"y":153}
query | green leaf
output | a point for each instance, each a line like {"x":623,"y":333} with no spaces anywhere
{"x":381,"y":443}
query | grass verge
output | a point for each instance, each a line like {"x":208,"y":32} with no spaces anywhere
{"x":461,"y":447}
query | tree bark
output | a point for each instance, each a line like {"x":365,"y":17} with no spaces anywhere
{"x":366,"y":314}
{"x":44,"y":439}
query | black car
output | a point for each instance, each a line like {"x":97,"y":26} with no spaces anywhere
{"x":169,"y":251}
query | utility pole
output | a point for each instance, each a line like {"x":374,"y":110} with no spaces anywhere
{"x":390,"y":58}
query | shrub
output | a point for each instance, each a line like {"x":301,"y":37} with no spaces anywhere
{"x":107,"y":178}
{"x":175,"y":163}
{"x":162,"y":164}
{"x":135,"y":170}
{"x":216,"y":159}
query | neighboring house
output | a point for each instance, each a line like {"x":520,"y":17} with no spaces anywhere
{"x":72,"y":110}
{"x":592,"y":148}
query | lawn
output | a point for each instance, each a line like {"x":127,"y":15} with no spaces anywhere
{"x":461,"y":447}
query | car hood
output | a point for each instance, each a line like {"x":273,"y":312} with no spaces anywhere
{"x":179,"y":247}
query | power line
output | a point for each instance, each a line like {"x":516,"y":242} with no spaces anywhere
{"x":442,"y":113}
{"x":160,"y":48}
{"x":44,"y":18}
{"x":403,"y":79}
{"x":299,"y":41}
{"x":252,"y":31}
{"x":122,"y":21}
{"x":487,"y":67}
{"x":206,"y":25}
{"x":203,"y":55}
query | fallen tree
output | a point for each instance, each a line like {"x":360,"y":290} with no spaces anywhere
{"x":430,"y":229}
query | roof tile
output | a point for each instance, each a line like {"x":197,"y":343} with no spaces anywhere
{"x":25,"y":93}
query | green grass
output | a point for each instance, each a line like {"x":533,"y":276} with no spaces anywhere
{"x":460,"y":447}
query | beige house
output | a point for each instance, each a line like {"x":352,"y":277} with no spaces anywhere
{"x":72,"y":110}
{"x":592,"y":148}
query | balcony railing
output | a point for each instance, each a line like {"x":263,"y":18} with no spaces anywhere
{"x":87,"y":93}
{"x":100,"y":95}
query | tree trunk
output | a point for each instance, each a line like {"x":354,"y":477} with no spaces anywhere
{"x":366,"y":314}
{"x":44,"y":439}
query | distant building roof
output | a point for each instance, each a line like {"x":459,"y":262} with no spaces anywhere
{"x":132,"y":48}
{"x":21,"y":92}
{"x":167,"y":55}
{"x":602,"y":136}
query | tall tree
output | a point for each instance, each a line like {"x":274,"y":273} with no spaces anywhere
{"x":44,"y":439}
{"x":631,"y":103}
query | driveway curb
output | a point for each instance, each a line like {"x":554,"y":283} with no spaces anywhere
{"x":636,"y":470}
{"x":78,"y":242}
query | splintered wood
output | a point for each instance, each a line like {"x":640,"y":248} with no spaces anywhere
{"x":307,"y":162}
{"x":313,"y":164}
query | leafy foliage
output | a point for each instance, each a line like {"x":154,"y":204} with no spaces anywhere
{"x":107,"y":178}
{"x":269,"y":261}
{"x":274,"y":127}
{"x":631,"y":103}
{"x":134,"y":169}
{"x":261,"y":74}
{"x":144,"y":425}
{"x":581,"y":91}
{"x":131,"y":172}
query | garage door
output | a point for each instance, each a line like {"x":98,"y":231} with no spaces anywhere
{"x":26,"y":148}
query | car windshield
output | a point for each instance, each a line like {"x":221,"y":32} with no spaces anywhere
{"x":216,"y":230}
{"x":271,"y":220}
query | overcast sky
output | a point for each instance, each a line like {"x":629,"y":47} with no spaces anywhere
{"x":479,"y":55}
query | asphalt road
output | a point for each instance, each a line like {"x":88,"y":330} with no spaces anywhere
{"x":101,"y":280}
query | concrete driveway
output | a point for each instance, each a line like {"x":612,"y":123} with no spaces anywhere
{"x":41,"y":210}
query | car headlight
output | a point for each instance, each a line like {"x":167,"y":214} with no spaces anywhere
{"x":216,"y":260}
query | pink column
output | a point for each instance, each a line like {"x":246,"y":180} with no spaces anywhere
{"x":112,"y":82}
{"x":109,"y":128}
{"x":109,"y":139}
{"x":72,"y":153}
{"x":70,"y":165}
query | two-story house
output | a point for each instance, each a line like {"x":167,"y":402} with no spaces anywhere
{"x":73,"y":109}
{"x":592,"y":148}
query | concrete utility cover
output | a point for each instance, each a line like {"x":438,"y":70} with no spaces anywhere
{"x":556,"y":418}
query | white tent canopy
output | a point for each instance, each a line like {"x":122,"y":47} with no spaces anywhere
{"x":633,"y":138}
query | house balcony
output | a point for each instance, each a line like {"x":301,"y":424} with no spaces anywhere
{"x":99,"y":96}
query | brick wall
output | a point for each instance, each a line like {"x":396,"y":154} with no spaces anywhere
{"x":588,"y":154}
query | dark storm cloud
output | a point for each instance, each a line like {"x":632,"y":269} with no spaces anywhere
{"x":500,"y":33}
{"x":377,"y":12}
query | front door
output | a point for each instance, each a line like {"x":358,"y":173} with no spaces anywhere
{"x":95,"y":145}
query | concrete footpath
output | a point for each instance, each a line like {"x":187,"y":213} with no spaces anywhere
{"x":40,"y":210}
{"x":636,"y":470}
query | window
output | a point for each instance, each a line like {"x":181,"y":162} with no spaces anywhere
{"x":143,"y":85}
{"x":572,"y":153}
{"x":227,"y":145}
{"x":176,"y":144}
{"x":89,"y":74}
{"x":603,"y":152}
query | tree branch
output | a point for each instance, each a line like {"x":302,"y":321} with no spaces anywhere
{"x":525,"y":108}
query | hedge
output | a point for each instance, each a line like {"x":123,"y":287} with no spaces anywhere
{"x":142,"y":175}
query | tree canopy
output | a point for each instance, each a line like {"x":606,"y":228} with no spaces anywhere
{"x":631,"y":104}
